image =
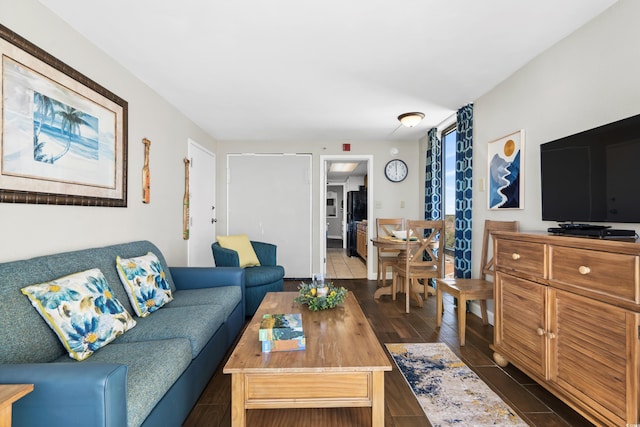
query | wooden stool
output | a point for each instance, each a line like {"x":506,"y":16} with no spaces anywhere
{"x":465,"y":290}
{"x":472,"y":289}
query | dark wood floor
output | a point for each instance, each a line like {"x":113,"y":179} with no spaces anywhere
{"x":532,"y":402}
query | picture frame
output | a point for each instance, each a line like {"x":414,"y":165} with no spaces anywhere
{"x":506,"y":172}
{"x":63,"y":137}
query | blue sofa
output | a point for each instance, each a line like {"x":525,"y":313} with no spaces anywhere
{"x":268,"y":277}
{"x":152,"y":375}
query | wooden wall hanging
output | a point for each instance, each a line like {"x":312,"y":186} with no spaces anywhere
{"x":146,"y":178}
{"x":185,"y":202}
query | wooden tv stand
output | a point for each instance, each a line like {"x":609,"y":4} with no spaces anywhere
{"x":567,"y":313}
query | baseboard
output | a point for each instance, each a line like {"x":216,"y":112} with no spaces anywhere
{"x":474,"y":307}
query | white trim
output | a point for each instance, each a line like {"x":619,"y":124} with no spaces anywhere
{"x":322,"y":214}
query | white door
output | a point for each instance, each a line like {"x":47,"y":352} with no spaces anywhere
{"x":202,"y":205}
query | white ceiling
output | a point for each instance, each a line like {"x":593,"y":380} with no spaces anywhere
{"x":329,"y":70}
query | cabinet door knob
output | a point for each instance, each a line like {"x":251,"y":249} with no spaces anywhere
{"x":583,"y":269}
{"x":541,"y":332}
{"x":515,"y":256}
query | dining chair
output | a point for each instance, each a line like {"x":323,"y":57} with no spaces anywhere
{"x":472,"y":289}
{"x":422,"y":258}
{"x":386,"y":257}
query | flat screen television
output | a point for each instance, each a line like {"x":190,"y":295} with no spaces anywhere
{"x":593,"y":176}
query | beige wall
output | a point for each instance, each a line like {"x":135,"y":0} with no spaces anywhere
{"x":29,"y":230}
{"x":386,"y":196}
{"x":586,"y":80}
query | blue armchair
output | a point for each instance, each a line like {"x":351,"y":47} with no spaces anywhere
{"x":267,"y":277}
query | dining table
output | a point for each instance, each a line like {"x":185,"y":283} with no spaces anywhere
{"x":393,"y":243}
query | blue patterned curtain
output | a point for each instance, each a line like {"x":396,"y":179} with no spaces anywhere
{"x":433,"y":178}
{"x":464,"y":154}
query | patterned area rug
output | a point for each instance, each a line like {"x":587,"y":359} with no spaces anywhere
{"x":449,"y":392}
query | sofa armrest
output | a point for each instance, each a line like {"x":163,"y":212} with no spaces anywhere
{"x":225,"y":257}
{"x":69,"y":394}
{"x":266,"y":252}
{"x":207,"y":277}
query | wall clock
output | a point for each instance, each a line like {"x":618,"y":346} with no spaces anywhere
{"x":396,"y":170}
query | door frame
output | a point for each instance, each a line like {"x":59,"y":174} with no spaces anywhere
{"x":343,"y":216}
{"x":323,"y":208}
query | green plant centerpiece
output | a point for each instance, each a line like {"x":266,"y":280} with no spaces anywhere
{"x":320,"y":295}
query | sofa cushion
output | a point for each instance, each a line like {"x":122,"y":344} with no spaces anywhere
{"x":242,"y":245}
{"x":145,"y":281}
{"x":153,"y":367}
{"x":224,"y":297}
{"x":82,"y":310}
{"x":196,"y":325}
{"x":262,"y":275}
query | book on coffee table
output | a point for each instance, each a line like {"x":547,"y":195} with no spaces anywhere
{"x":281,"y":332}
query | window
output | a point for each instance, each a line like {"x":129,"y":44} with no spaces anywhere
{"x":449,"y":193}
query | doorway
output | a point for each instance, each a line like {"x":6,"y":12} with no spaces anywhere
{"x":339,"y":175}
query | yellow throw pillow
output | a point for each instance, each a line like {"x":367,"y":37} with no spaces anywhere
{"x":242,"y":245}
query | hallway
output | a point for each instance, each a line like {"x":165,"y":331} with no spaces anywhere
{"x":341,"y":266}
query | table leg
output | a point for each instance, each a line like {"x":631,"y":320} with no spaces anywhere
{"x":5,"y":416}
{"x":386,"y":290}
{"x":238,"y":410}
{"x":377,"y":400}
{"x":416,"y":290}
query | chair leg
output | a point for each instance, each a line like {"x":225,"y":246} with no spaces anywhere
{"x":383,"y":274}
{"x":483,"y":310}
{"x":438,"y":306}
{"x":394,"y":277}
{"x":407,"y":293}
{"x":379,"y":273}
{"x":462,"y":319}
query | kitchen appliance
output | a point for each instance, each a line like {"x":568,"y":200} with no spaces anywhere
{"x":356,"y":211}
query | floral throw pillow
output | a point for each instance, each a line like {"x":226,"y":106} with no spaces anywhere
{"x":145,"y":282}
{"x":82,"y":310}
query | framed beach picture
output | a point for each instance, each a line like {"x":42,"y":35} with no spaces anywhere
{"x":506,"y":178}
{"x":63,"y":137}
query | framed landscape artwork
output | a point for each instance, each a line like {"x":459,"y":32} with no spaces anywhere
{"x":63,"y":137}
{"x":506,"y":179}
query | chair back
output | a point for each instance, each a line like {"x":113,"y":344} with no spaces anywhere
{"x":425,"y":254}
{"x":386,"y":226}
{"x":486,"y":261}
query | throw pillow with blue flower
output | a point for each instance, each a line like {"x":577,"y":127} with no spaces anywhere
{"x":82,"y":310}
{"x":145,"y":282}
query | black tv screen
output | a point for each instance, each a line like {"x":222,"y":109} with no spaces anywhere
{"x":593,"y":176}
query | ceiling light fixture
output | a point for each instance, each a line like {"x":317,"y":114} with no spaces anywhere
{"x":342,"y":167}
{"x":411,"y":119}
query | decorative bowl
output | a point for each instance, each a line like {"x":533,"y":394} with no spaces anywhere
{"x":400,"y":234}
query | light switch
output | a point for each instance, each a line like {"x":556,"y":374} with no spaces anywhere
{"x":402,"y":203}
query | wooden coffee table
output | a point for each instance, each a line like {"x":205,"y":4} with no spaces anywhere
{"x":342,"y":366}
